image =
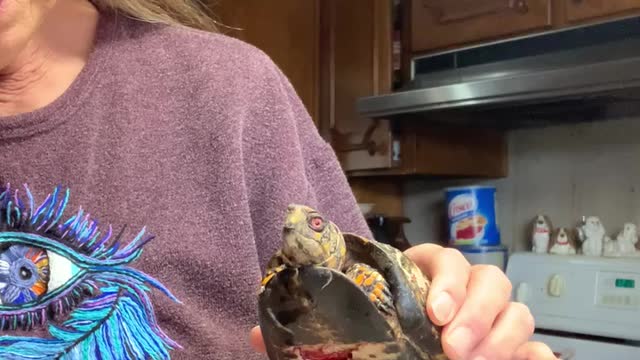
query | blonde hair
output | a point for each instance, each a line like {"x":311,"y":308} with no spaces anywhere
{"x":189,"y":13}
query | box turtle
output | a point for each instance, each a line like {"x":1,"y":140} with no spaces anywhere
{"x":329,"y":295}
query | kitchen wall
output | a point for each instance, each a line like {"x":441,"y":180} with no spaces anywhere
{"x":564,"y":171}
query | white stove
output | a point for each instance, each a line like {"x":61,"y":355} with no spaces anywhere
{"x":585,"y":308}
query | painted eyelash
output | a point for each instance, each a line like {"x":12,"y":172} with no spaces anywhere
{"x":80,"y":232}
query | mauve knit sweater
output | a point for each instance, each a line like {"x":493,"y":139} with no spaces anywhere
{"x":200,"y":138}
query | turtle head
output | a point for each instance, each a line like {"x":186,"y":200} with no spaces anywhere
{"x":310,"y":239}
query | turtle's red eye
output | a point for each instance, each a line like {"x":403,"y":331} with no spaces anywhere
{"x":316,"y":223}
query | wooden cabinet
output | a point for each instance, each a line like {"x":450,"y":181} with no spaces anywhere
{"x":446,"y":151}
{"x":579,"y":10}
{"x":440,"y":24}
{"x":334,"y":52}
{"x":360,"y":63}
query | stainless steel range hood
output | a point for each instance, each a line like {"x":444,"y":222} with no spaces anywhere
{"x":604,"y":68}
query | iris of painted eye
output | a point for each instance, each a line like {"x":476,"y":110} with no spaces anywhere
{"x":28,"y":273}
{"x":316,"y":223}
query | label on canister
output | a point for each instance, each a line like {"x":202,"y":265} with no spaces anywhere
{"x":472,"y":216}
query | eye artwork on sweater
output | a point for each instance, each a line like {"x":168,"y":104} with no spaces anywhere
{"x":69,"y":278}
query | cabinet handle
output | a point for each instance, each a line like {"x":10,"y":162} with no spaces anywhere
{"x":448,"y":11}
{"x":365,"y":144}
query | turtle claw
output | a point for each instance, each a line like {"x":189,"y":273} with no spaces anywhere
{"x":270,"y":274}
{"x":374,"y":285}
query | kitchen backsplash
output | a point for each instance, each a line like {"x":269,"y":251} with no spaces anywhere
{"x":565,"y":172}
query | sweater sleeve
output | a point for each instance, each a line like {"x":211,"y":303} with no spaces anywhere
{"x":287,"y":161}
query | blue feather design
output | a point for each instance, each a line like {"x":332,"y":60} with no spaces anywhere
{"x":118,"y":324}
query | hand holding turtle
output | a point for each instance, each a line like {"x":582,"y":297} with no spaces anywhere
{"x":468,"y":314}
{"x":472,"y":304}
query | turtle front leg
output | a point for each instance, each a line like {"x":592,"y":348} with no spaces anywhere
{"x":271,"y":273}
{"x":275,"y":265}
{"x":373,"y":284}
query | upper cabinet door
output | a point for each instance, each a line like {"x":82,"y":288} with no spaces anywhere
{"x":578,"y":10}
{"x":441,"y":24}
{"x":357,"y":56}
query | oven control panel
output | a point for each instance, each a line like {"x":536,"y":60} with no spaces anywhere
{"x":577,"y":293}
{"x":618,"y":290}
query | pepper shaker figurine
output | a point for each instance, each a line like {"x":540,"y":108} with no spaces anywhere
{"x":541,"y":230}
{"x":563,"y":242}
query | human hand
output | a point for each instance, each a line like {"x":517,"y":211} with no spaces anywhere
{"x":472,"y":303}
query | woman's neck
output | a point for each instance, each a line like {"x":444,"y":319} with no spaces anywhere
{"x":51,"y":61}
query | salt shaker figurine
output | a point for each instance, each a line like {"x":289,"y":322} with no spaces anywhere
{"x":592,"y":235}
{"x":541,"y":229}
{"x":625,"y":242}
{"x":563,"y":242}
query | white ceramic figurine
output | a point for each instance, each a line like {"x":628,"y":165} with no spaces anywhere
{"x":592,"y":235}
{"x":625,"y":242}
{"x":541,"y":229}
{"x":563,"y":242}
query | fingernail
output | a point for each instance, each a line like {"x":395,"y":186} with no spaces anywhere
{"x":443,"y":307}
{"x":461,"y":340}
{"x":479,"y":357}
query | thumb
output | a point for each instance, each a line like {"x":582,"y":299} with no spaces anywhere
{"x":449,"y":272}
{"x":256,"y":340}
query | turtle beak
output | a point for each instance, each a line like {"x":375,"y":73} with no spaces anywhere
{"x":288,"y":227}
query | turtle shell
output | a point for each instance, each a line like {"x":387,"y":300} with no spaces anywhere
{"x":314,"y":312}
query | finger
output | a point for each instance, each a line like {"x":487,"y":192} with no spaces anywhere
{"x":256,"y":340}
{"x":512,"y":328}
{"x":449,"y":272}
{"x":488,"y":294}
{"x":534,"y":351}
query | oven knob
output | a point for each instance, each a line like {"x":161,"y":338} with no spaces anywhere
{"x":556,"y":286}
{"x":522,"y":293}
